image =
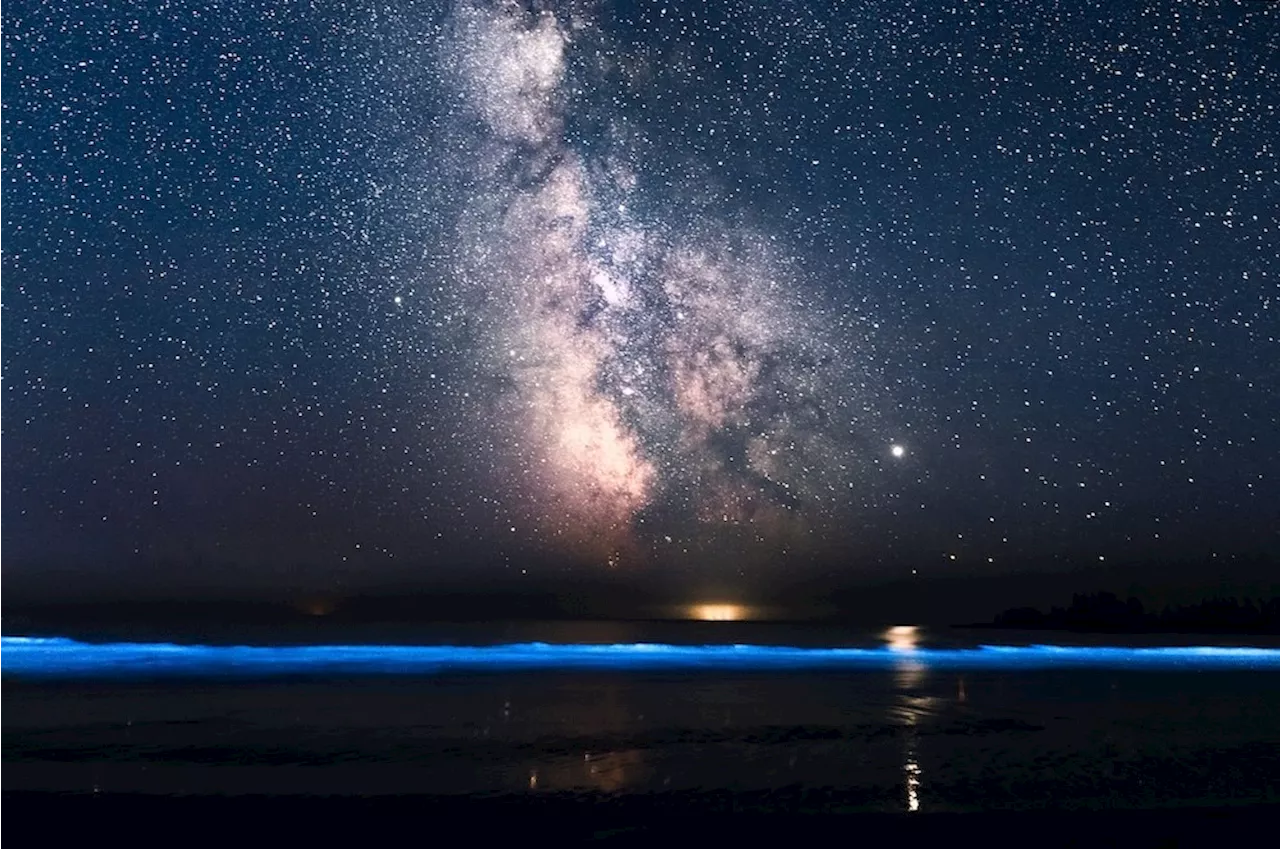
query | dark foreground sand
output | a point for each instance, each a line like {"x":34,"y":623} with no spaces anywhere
{"x":722,"y":820}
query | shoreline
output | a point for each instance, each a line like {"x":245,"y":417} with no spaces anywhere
{"x":619,"y":820}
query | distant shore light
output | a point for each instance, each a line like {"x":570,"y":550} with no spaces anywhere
{"x":903,"y":637}
{"x":718,"y":612}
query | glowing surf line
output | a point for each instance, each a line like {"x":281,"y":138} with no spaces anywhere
{"x":59,"y":657}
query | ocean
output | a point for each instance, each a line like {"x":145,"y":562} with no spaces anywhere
{"x":912,"y":721}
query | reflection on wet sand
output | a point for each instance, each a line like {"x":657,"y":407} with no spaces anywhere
{"x":912,"y":769}
{"x":610,"y":771}
{"x":603,"y":772}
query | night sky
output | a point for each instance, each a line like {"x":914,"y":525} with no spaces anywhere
{"x":342,"y":294}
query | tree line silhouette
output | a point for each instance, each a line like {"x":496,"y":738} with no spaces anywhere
{"x":1104,"y":611}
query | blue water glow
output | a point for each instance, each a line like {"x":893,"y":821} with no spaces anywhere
{"x":59,"y":657}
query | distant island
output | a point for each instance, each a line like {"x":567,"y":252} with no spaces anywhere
{"x":1107,"y":612}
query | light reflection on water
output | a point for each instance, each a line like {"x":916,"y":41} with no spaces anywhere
{"x":910,"y":709}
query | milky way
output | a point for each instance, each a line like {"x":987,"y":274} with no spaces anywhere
{"x":341,"y":293}
{"x":662,"y":385}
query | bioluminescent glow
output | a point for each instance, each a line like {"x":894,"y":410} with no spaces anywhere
{"x":59,"y":657}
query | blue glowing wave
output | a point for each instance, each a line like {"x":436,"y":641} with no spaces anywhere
{"x":59,"y":657}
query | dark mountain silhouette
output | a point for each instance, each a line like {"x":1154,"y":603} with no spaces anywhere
{"x":1107,"y":612}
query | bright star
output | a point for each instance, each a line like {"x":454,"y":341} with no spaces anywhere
{"x":897,"y":450}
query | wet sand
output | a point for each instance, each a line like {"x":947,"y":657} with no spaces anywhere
{"x":680,"y":819}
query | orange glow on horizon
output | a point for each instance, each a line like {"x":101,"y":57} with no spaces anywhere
{"x":318,"y":606}
{"x":718,"y":612}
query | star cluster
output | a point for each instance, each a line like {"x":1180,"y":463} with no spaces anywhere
{"x":320,"y":292}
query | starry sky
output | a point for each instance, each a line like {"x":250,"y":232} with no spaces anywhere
{"x":334,"y":294}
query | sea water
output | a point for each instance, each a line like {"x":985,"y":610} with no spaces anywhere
{"x":907,"y":719}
